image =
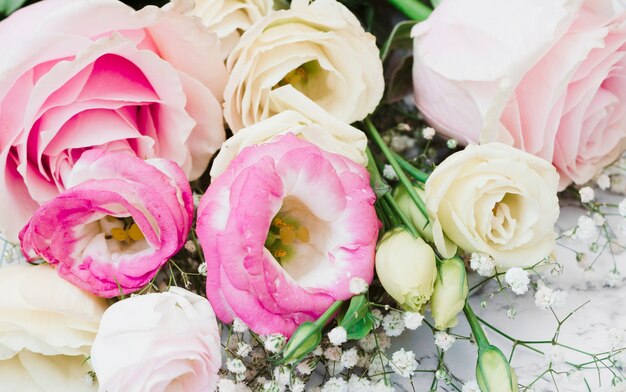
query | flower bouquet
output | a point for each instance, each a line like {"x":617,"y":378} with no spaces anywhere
{"x":256,"y":195}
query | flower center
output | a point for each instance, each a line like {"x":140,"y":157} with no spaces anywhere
{"x":502,"y":222}
{"x":309,"y":78}
{"x":283,"y":234}
{"x":123,"y":230}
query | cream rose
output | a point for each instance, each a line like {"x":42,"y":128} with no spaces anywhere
{"x":318,"y":50}
{"x":494,"y":199}
{"x":309,"y":122}
{"x":158,"y":342}
{"x":226,"y":18}
{"x":47,"y":326}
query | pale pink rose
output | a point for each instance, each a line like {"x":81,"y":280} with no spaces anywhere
{"x":158,"y":342}
{"x":95,"y":74}
{"x":546,"y":76}
{"x":283,"y":231}
{"x":110,"y":233}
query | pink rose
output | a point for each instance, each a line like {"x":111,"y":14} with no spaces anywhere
{"x":283,"y":231}
{"x":95,"y":74}
{"x":548,"y":77}
{"x":112,"y":231}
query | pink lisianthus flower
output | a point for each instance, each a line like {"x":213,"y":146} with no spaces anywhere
{"x":547,"y":77}
{"x":111,"y":232}
{"x":77,"y":75}
{"x":284,"y":229}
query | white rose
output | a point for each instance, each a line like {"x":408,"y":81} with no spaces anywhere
{"x":226,"y":18}
{"x":318,"y":50}
{"x":47,"y":326}
{"x":497,"y":200}
{"x":158,"y":342}
{"x":309,"y":122}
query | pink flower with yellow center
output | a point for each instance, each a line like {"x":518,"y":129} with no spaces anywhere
{"x":120,"y":220}
{"x":284,"y":229}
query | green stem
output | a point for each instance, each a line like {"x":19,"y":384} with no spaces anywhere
{"x":412,"y":170}
{"x":328,"y":314}
{"x":479,"y":334}
{"x":413,"y":9}
{"x":396,"y":167}
{"x":406,"y":222}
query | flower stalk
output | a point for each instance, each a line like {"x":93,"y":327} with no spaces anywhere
{"x":413,"y":9}
{"x":477,"y":331}
{"x":404,"y":180}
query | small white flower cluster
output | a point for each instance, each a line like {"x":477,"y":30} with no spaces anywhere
{"x":471,"y":386}
{"x":586,"y":229}
{"x":404,"y":363}
{"x":428,"y":133}
{"x":389,"y":173}
{"x":444,"y":341}
{"x":483,"y":264}
{"x":546,"y":298}
{"x":517,"y":279}
{"x":587,"y":195}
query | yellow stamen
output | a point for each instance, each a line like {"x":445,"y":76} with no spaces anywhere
{"x":135,"y":233}
{"x":279,"y":223}
{"x":119,"y":234}
{"x":287,"y":235}
{"x":303,"y":234}
{"x":280,"y":253}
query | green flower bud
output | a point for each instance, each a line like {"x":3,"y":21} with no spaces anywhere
{"x":406,"y":268}
{"x":304,"y":340}
{"x":493,"y":371}
{"x":450,"y":293}
{"x":409,"y":208}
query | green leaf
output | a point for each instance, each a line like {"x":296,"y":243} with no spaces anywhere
{"x":400,"y":83}
{"x":360,"y":329}
{"x":400,"y":37}
{"x":357,"y":310}
{"x":8,"y":6}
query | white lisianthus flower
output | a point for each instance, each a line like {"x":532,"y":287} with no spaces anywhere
{"x":494,"y":199}
{"x":228,"y":19}
{"x":47,"y":326}
{"x":157,"y":342}
{"x":328,"y":58}
{"x":309,"y":122}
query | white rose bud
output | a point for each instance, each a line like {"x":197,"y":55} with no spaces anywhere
{"x":494,"y":373}
{"x":451,"y":290}
{"x":494,"y":199}
{"x":48,"y":326}
{"x":328,"y":59}
{"x":406,"y":268}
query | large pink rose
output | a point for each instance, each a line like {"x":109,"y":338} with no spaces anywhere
{"x":547,"y":76}
{"x":119,"y":221}
{"x":283,"y":231}
{"x":83,"y":74}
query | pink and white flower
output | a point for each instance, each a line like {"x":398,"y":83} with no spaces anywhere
{"x":117,"y":226}
{"x":284,"y":229}
{"x":95,"y":74}
{"x":548,"y":77}
{"x":158,"y":342}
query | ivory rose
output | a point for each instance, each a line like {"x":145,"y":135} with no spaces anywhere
{"x":112,"y":231}
{"x":309,"y":122}
{"x":226,"y":18}
{"x":548,"y":77}
{"x":158,"y":342}
{"x":47,"y":326}
{"x":284,"y":229}
{"x":317,"y":50}
{"x":497,"y":200}
{"x":77,"y":75}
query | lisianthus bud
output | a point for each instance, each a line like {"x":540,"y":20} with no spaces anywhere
{"x":406,"y":267}
{"x":450,"y":293}
{"x":494,"y":373}
{"x":410,"y":209}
